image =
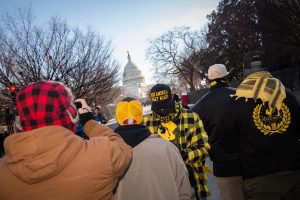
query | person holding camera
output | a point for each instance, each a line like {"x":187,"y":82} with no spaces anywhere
{"x":46,"y":160}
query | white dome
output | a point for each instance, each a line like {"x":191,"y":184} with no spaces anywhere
{"x":132,"y":74}
{"x":130,"y":66}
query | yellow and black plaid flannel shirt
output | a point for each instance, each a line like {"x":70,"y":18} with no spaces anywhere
{"x":192,"y":140}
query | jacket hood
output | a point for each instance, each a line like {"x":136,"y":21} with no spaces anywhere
{"x":133,"y":134}
{"x":42,"y":153}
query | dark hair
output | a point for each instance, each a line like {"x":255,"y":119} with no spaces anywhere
{"x":128,"y":99}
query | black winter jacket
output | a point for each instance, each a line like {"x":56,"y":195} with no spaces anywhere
{"x":269,"y":142}
{"x":224,"y":144}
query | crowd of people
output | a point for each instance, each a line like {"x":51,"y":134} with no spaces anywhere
{"x":251,"y":133}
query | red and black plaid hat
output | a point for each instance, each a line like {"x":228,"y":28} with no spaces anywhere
{"x":46,"y":103}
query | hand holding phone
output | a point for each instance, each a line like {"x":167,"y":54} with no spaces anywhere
{"x":78,"y":105}
{"x":82,"y":106}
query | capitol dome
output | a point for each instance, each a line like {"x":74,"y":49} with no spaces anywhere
{"x":132,"y":74}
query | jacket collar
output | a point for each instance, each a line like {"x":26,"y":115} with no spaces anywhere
{"x":133,"y":134}
{"x":219,"y":82}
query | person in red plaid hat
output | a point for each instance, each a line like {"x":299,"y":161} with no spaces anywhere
{"x":46,"y":160}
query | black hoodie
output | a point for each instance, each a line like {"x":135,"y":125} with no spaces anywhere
{"x":133,"y":134}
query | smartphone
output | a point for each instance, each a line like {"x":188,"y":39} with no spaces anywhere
{"x":78,"y":105}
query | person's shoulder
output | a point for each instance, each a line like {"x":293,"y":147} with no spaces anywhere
{"x":190,"y":116}
{"x":216,"y":92}
{"x":205,"y":96}
{"x":223,"y":91}
{"x":162,"y":143}
{"x":156,"y":139}
{"x":201,"y":104}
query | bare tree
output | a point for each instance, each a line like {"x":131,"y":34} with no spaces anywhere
{"x":81,"y":60}
{"x":173,"y":54}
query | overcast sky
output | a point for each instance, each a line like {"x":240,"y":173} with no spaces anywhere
{"x":128,"y":23}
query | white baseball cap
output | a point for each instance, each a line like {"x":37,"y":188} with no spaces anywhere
{"x":217,"y":71}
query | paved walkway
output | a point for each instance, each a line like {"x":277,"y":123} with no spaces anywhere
{"x":212,"y":185}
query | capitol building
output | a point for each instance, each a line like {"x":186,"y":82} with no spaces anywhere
{"x":134,"y":81}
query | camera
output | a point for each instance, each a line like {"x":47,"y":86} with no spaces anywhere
{"x":78,"y":105}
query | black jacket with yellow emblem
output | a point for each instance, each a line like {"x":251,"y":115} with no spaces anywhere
{"x":268,"y":138}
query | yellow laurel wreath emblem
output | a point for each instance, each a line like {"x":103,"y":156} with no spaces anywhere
{"x":266,"y":129}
